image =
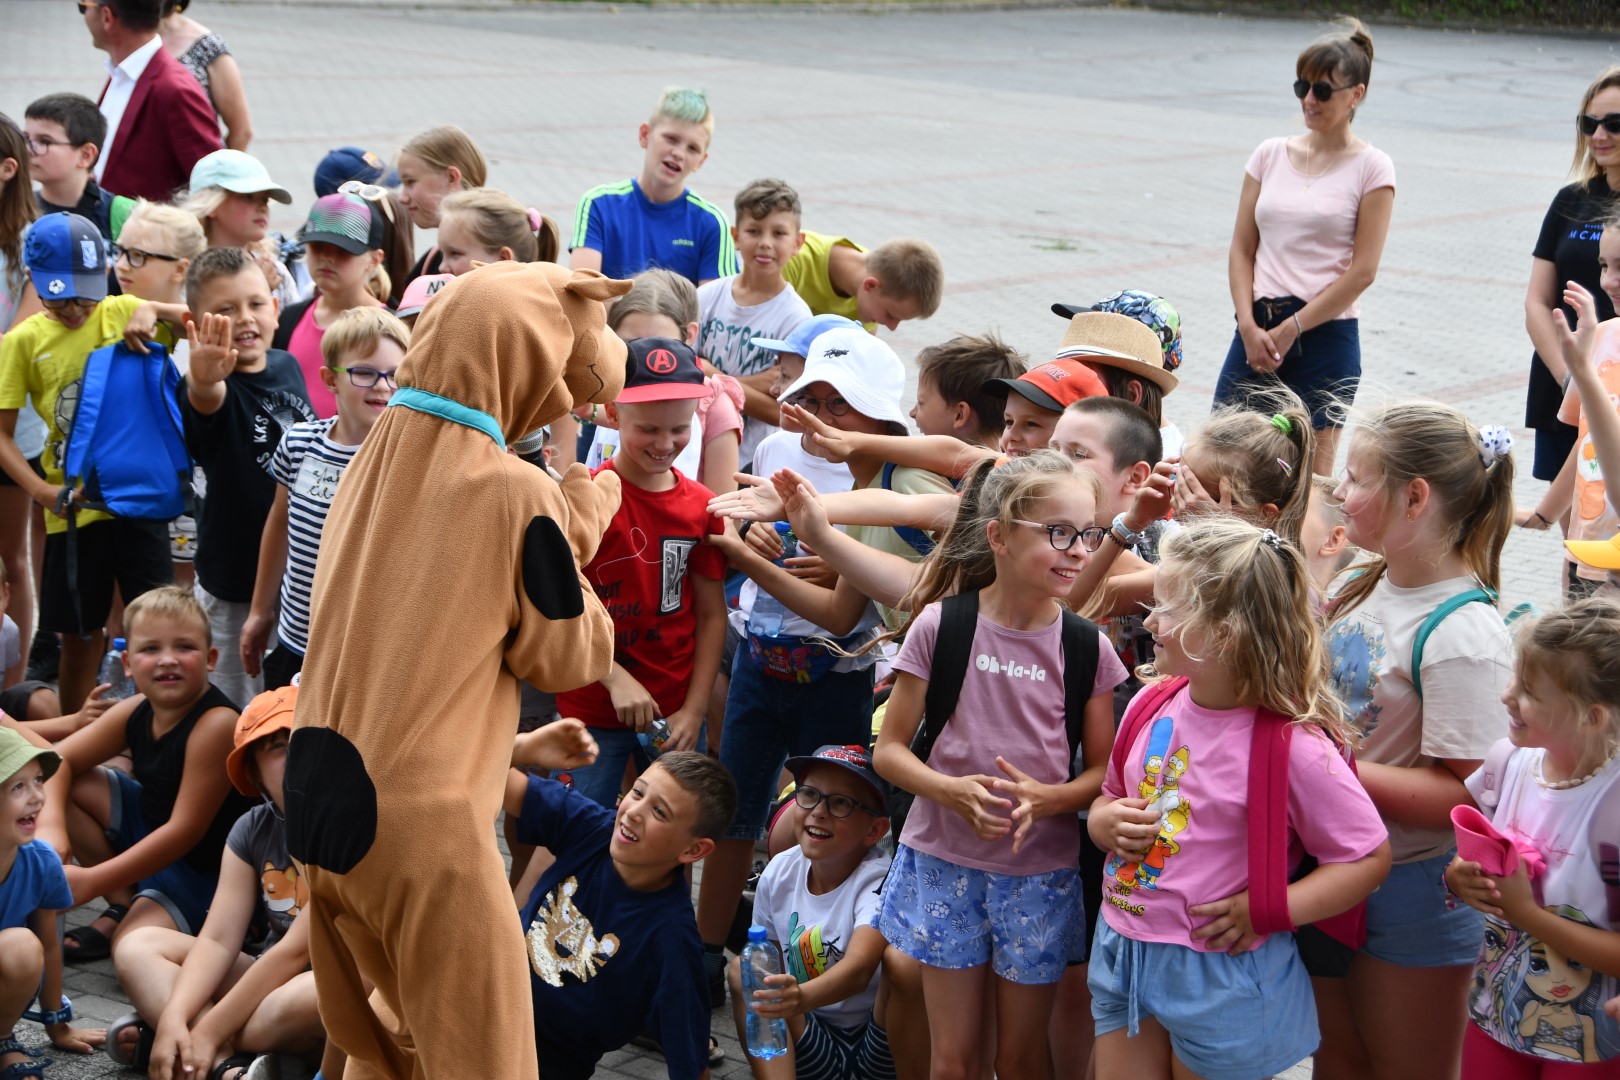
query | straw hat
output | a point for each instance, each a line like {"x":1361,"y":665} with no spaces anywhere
{"x":1102,"y":337}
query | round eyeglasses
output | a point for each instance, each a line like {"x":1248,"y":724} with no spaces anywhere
{"x":366,"y":377}
{"x":1063,"y":537}
{"x":838,"y":806}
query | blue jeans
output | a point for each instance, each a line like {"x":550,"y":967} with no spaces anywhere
{"x":770,"y":719}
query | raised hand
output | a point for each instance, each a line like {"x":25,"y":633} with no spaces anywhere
{"x":754,"y":500}
{"x":212,"y":356}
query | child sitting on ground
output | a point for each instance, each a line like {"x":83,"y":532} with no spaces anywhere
{"x":363,"y":351}
{"x":653,"y":220}
{"x":613,"y":949}
{"x":895,"y":281}
{"x":239,"y":395}
{"x":151,"y":842}
{"x":755,"y":303}
{"x":203,"y":1006}
{"x":33,"y":891}
{"x":667,"y":601}
{"x":817,"y":903}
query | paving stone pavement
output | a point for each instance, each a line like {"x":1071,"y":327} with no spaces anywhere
{"x":1049,"y":154}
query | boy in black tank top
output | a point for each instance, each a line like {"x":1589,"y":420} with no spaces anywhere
{"x":151,"y":843}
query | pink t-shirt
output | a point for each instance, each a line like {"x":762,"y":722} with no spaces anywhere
{"x":305,"y":345}
{"x":1194,"y":763}
{"x":1308,"y":223}
{"x":1011,"y":705}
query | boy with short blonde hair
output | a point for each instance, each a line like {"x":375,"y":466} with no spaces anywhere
{"x":895,"y":281}
{"x":653,"y":220}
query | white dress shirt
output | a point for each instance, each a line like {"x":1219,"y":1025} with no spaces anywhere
{"x":121,"y":80}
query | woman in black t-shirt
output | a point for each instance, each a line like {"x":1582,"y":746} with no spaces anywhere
{"x":1567,"y":251}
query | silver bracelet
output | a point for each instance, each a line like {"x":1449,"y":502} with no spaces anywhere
{"x":1299,"y":331}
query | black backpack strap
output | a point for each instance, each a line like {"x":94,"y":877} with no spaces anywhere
{"x":953,"y":646}
{"x":1081,"y":653}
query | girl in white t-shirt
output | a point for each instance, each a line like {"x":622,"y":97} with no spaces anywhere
{"x":987,"y":867}
{"x":1420,"y":666}
{"x":1191,"y":972}
{"x":1311,"y":224}
{"x":1551,"y":949}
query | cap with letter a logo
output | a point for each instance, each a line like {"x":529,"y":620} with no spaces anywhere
{"x":662,"y":369}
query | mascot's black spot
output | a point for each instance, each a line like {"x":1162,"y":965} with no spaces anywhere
{"x":331,"y":802}
{"x":550,"y":576}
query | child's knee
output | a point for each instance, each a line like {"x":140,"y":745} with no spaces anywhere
{"x":22,"y":957}
{"x":902,"y":975}
{"x":92,"y":792}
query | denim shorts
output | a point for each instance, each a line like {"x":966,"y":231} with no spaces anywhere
{"x":184,"y":891}
{"x":1324,"y":370}
{"x":1028,"y":928}
{"x":600,"y":780}
{"x":1229,"y":1017}
{"x":769,"y":720}
{"x":1412,"y":922}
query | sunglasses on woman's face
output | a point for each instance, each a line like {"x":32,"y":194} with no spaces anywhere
{"x":1590,"y":124}
{"x":1321,"y":88}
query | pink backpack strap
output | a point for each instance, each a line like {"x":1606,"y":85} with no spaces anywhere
{"x":1268,"y":823}
{"x":1143,"y":710}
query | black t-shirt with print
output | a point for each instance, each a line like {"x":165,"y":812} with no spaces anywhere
{"x":1569,"y":240}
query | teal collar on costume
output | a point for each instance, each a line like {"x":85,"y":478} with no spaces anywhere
{"x":425,"y":401}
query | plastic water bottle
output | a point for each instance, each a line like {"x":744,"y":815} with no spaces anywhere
{"x":112,"y":672}
{"x":768,"y":615}
{"x":766,"y":1038}
{"x":653,"y":739}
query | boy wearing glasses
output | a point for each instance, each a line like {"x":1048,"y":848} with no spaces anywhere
{"x":239,"y":398}
{"x":818,"y":901}
{"x":363,"y":350}
{"x":65,"y":134}
{"x":43,"y":358}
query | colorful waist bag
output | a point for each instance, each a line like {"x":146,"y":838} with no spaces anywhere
{"x":1269,"y":867}
{"x":799,"y":659}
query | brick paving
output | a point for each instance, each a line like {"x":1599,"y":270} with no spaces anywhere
{"x":1049,"y":154}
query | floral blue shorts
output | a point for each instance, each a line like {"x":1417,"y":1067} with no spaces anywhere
{"x":1027,"y":928}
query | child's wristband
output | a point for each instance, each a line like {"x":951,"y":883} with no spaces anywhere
{"x":51,"y":1016}
{"x":1452,"y":899}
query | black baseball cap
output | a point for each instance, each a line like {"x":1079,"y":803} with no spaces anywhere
{"x":662,"y":369}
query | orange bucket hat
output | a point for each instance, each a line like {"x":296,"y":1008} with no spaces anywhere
{"x":266,"y":714}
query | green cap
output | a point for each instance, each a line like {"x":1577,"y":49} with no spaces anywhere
{"x":16,"y":751}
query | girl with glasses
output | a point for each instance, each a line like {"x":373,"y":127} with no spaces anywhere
{"x":1311,"y":224}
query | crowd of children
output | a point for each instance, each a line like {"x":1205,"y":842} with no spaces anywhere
{"x":1072,"y":745}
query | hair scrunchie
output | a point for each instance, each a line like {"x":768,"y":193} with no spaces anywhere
{"x":535,"y":220}
{"x":1495,"y":443}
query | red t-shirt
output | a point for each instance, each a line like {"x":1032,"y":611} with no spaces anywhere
{"x":639,"y":574}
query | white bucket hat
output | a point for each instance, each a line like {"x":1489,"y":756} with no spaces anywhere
{"x":860,"y":367}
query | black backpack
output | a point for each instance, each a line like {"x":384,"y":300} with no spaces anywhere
{"x":953,"y":648}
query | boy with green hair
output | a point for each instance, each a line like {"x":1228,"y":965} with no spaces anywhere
{"x":652,"y":220}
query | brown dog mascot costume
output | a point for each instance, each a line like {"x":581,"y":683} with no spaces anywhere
{"x":449,"y":570}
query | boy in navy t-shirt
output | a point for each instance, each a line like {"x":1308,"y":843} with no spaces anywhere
{"x":652,"y":220}
{"x":612,"y":943}
{"x":33,"y":890}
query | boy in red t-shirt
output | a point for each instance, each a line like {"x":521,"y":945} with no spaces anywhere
{"x":655,"y":575}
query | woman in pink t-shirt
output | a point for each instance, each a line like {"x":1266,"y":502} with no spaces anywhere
{"x":1310,"y":230}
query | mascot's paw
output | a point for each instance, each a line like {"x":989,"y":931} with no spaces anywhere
{"x":331,"y":801}
{"x":592,"y":502}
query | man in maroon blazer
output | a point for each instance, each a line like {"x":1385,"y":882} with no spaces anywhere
{"x":159,"y":120}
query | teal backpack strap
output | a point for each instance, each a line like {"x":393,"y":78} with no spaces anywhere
{"x":1436,"y":617}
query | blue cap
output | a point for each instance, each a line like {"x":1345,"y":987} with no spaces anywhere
{"x":352,"y":163}
{"x":235,"y":171}
{"x":804,"y":335}
{"x":66,"y":258}
{"x":855,"y":759}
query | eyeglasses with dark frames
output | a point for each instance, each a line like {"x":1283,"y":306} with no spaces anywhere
{"x":80,"y":302}
{"x":137,"y":258}
{"x":366,"y":377}
{"x":1063,"y":537}
{"x":836,"y":406}
{"x":838,"y":806}
{"x":370,"y":193}
{"x":1323,"y":89}
{"x":1589,"y":123}
{"x":43,"y":145}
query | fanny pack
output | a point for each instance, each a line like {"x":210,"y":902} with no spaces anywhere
{"x":798,"y":659}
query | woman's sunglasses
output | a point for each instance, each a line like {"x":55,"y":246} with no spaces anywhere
{"x":1589,"y":123}
{"x":370,"y":193}
{"x":1321,"y":88}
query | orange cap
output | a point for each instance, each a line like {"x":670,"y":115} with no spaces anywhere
{"x":266,"y":714}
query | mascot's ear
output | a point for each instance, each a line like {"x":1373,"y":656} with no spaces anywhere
{"x":593,"y":286}
{"x":550,"y":577}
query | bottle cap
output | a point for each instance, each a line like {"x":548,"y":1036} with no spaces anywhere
{"x":783,"y":528}
{"x":119,"y":644}
{"x":757,"y":933}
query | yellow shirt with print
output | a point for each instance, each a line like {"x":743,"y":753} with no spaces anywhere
{"x":807,"y":273}
{"x":42,"y":359}
{"x":907,"y":481}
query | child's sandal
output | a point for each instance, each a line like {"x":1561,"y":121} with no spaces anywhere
{"x":88,"y":942}
{"x":32,"y":1065}
{"x":140,"y":1055}
{"x":235,"y":1067}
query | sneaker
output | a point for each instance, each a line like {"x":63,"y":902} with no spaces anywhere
{"x":44,"y":657}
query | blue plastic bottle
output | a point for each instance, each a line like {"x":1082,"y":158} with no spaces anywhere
{"x":766,"y":1038}
{"x":765,"y":620}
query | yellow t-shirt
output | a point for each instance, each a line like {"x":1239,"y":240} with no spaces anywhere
{"x":907,"y":481}
{"x":41,"y":358}
{"x":807,"y":273}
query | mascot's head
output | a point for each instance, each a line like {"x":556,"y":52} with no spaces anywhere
{"x":523,"y":342}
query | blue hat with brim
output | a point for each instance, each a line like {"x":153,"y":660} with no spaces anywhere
{"x":804,"y":335}
{"x":66,"y":258}
{"x":855,"y":759}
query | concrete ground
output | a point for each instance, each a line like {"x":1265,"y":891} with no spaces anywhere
{"x":1051,"y":155}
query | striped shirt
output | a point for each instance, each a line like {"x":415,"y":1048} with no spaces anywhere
{"x":688,"y":235}
{"x":309,"y":465}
